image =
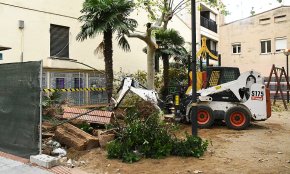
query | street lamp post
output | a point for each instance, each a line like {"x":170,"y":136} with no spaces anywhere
{"x":193,"y":44}
{"x":287,"y":52}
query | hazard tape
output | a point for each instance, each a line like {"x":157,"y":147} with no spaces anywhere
{"x":74,"y":89}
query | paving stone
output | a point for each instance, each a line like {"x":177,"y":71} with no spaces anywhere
{"x":9,"y":166}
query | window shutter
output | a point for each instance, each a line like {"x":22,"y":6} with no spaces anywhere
{"x":59,"y":41}
{"x":268,"y":46}
{"x":263,"y":47}
{"x":280,"y":44}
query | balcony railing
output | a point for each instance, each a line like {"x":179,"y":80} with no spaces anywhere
{"x":214,"y":52}
{"x":208,"y":23}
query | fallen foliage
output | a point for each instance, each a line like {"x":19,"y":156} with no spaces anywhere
{"x":149,"y":137}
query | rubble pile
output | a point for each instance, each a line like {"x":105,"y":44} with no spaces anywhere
{"x":64,"y":140}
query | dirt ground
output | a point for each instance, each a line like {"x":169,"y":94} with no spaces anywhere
{"x":263,"y":148}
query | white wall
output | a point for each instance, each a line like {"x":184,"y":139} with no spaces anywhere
{"x":39,"y":14}
{"x":36,"y":40}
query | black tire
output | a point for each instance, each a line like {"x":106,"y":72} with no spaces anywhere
{"x":237,"y":118}
{"x":205,"y":117}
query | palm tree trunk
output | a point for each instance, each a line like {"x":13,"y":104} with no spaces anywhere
{"x":108,"y":55}
{"x":165,"y":59}
{"x":150,"y":67}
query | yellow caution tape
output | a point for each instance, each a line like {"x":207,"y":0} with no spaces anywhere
{"x":74,"y":89}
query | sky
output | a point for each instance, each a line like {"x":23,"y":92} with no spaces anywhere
{"x":241,"y":8}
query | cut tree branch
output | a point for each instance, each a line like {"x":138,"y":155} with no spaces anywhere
{"x":139,"y":36}
{"x":171,"y":4}
{"x":160,"y":20}
{"x":150,"y":11}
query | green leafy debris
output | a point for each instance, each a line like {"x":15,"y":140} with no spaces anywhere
{"x":149,"y":137}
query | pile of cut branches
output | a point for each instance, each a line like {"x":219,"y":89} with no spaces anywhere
{"x":149,"y":137}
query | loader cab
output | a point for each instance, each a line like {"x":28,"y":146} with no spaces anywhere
{"x":219,"y":75}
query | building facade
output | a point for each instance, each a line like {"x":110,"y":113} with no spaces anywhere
{"x":256,"y":42}
{"x":46,"y":30}
{"x":207,"y":22}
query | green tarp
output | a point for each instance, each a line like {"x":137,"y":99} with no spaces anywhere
{"x":20,"y":108}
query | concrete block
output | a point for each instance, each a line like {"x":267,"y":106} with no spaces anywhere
{"x":44,"y":160}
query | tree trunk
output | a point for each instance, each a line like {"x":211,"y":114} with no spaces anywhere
{"x":150,"y":67}
{"x":72,"y":136}
{"x":108,"y":55}
{"x":165,"y":59}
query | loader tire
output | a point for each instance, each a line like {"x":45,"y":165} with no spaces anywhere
{"x":205,"y":117}
{"x":237,"y":118}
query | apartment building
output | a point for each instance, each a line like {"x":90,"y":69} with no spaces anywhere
{"x":46,"y":30}
{"x":207,"y":25}
{"x":256,"y":42}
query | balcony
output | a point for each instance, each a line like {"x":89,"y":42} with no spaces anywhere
{"x":214,"y":52}
{"x":208,"y":23}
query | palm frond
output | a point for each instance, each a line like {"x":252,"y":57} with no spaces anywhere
{"x":123,"y":42}
{"x":100,"y":48}
{"x":100,"y":15}
{"x":169,"y":37}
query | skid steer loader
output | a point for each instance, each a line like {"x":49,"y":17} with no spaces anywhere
{"x":227,"y":95}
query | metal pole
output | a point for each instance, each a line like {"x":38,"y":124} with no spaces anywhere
{"x":188,"y":69}
{"x":287,"y":78}
{"x":194,"y":101}
{"x":79,"y":86}
{"x":40,"y":107}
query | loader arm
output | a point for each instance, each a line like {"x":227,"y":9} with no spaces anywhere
{"x":129,"y":84}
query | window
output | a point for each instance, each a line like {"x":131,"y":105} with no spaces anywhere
{"x":236,"y":48}
{"x":1,"y":56}
{"x":212,"y":16}
{"x":264,"y":21}
{"x":280,"y":18}
{"x":265,"y":46}
{"x":78,"y":83}
{"x":59,"y":83}
{"x":59,"y":41}
{"x":280,"y":44}
{"x":213,"y":45}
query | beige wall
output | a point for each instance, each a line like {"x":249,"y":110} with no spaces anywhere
{"x":249,"y":32}
{"x":39,"y":14}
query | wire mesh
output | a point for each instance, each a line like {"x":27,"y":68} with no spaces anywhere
{"x":214,"y":78}
{"x":65,"y":80}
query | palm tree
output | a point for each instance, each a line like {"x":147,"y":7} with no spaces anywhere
{"x":170,"y":44}
{"x":107,"y":17}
